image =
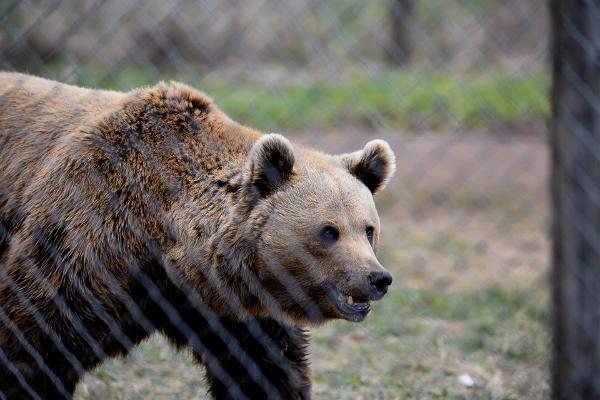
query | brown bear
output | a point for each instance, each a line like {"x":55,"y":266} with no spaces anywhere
{"x":126,"y":214}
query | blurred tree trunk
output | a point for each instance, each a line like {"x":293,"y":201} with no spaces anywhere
{"x":575,"y":140}
{"x":400,"y":47}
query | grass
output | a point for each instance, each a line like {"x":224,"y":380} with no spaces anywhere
{"x":432,"y":339}
{"x":392,"y":100}
{"x":398,"y":100}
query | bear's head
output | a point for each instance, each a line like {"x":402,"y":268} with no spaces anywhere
{"x":319,"y":228}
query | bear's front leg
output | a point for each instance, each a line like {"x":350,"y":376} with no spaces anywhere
{"x":255,"y":359}
{"x":272,"y":361}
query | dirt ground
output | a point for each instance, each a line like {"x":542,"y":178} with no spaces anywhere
{"x":464,"y":232}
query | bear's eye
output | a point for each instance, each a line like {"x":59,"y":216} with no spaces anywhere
{"x":369,"y":231}
{"x":329,"y":234}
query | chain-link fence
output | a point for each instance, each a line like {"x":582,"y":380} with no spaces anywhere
{"x":459,"y":91}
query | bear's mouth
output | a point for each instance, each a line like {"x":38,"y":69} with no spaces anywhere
{"x":352,"y":308}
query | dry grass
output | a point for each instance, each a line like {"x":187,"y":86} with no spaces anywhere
{"x":464,"y":233}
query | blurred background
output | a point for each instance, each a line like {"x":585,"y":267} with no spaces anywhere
{"x":458,"y":88}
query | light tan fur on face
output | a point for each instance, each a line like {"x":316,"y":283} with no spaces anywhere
{"x":322,"y":191}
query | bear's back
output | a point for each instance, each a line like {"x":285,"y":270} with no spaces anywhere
{"x":37,"y":118}
{"x":38,"y":110}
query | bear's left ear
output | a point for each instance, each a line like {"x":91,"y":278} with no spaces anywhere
{"x":270,"y":163}
{"x":374,"y":165}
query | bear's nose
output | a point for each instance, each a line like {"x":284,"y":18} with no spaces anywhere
{"x":380,"y":280}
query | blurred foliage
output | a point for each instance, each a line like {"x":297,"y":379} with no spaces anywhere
{"x":397,"y":101}
{"x":302,"y":65}
{"x":320,"y":36}
{"x":406,"y":99}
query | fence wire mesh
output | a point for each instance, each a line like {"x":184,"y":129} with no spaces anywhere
{"x":459,"y":91}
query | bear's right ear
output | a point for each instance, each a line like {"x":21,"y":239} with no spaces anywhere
{"x":270,"y":163}
{"x":374,"y":165}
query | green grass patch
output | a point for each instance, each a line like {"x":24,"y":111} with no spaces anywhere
{"x":395,"y":100}
{"x":398,"y":100}
{"x":417,"y":341}
{"x":488,"y":304}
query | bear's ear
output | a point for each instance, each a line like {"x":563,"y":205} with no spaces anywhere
{"x":270,"y":163}
{"x":374,"y":165}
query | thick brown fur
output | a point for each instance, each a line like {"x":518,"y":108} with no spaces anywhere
{"x":125,"y":214}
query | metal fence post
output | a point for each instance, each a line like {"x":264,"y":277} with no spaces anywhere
{"x":575,"y":139}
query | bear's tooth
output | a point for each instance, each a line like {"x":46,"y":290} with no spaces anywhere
{"x":350,"y":300}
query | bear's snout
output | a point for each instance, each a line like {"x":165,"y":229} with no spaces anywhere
{"x":379,"y":282}
{"x":353,"y":301}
